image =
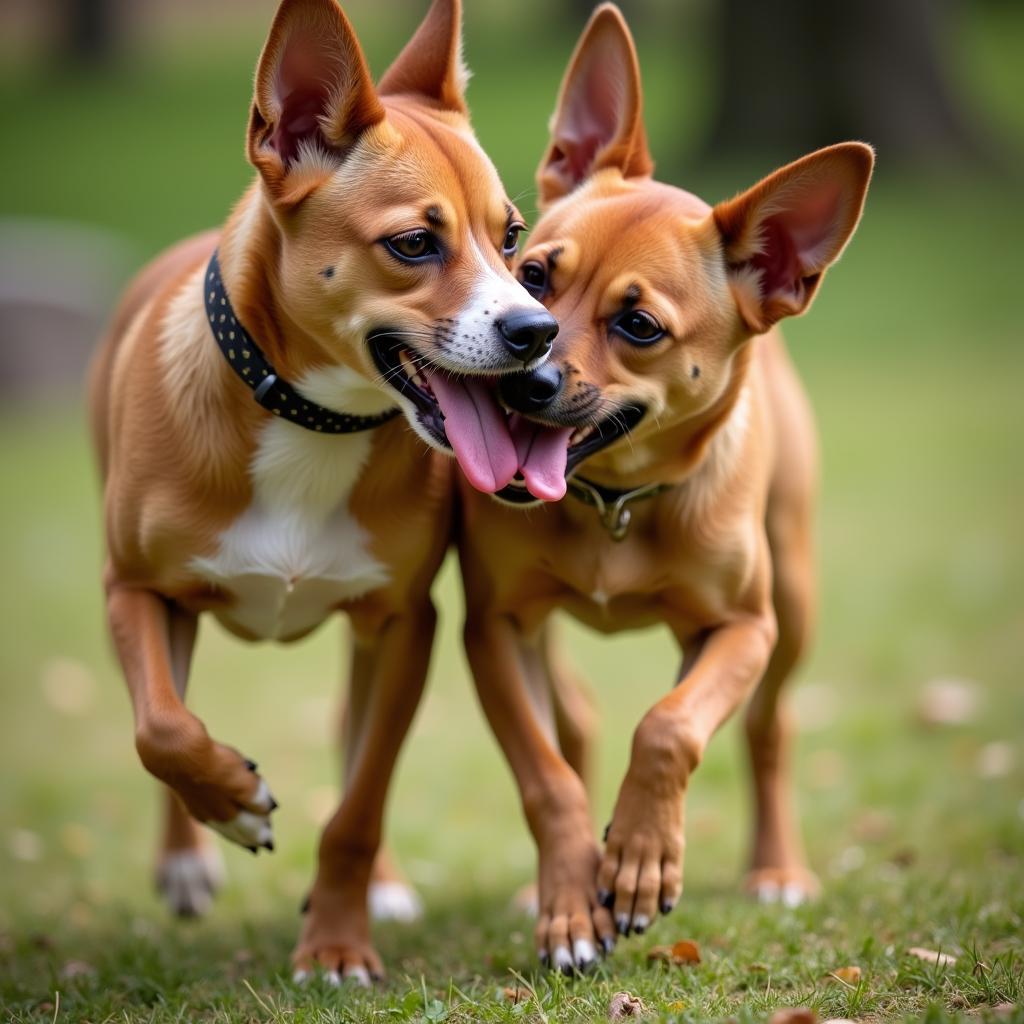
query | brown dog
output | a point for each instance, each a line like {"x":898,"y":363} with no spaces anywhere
{"x":671,"y":405}
{"x":370,"y":256}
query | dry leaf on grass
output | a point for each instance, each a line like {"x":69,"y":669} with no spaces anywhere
{"x":847,"y":975}
{"x":682,"y":952}
{"x":515,"y":994}
{"x":625,"y":1004}
{"x":932,"y":957}
{"x":794,"y":1015}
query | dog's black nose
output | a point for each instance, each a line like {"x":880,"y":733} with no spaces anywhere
{"x":528,"y":335}
{"x":531,"y":392}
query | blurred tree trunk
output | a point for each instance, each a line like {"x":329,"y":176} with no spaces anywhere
{"x":795,"y":74}
{"x":87,"y":30}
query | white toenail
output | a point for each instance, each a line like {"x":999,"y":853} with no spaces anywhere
{"x":793,"y":895}
{"x":359,"y":974}
{"x":563,"y":958}
{"x":583,"y":952}
{"x":622,"y":921}
{"x":641,"y":921}
{"x":300,"y":977}
{"x":768,"y":892}
{"x":333,"y":978}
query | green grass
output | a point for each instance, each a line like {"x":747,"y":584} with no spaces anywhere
{"x":912,"y":356}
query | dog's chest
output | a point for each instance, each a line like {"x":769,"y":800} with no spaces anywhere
{"x":296,"y":552}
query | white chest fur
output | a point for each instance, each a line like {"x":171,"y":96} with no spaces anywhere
{"x":296,"y":551}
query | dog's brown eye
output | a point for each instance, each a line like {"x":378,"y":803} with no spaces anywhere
{"x":412,"y":246}
{"x":534,"y":278}
{"x":638,"y":328}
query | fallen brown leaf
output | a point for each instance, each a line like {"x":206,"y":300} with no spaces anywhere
{"x":932,"y":957}
{"x":685,"y":952}
{"x":516,"y":993}
{"x":794,"y":1015}
{"x":625,"y":1004}
{"x":682,"y":952}
{"x":847,"y":975}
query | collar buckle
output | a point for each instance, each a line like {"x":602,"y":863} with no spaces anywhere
{"x":612,"y":507}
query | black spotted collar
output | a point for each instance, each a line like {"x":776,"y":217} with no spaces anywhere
{"x":252,"y":366}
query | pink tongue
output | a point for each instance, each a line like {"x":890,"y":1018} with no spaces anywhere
{"x":477,"y":431}
{"x":542,"y":453}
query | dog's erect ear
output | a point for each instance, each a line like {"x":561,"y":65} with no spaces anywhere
{"x":431,"y":63}
{"x":598,"y":122}
{"x":781,"y":235}
{"x":313,"y":97}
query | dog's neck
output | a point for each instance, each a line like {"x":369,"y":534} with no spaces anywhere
{"x":680,"y":452}
{"x":250,"y":253}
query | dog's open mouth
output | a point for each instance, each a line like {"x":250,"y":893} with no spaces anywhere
{"x":500,"y":452}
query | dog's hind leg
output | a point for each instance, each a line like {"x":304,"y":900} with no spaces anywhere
{"x":391,"y":897}
{"x":189,"y":867}
{"x":778,"y":870}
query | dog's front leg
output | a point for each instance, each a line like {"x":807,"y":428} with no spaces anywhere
{"x":336,"y":930}
{"x":642,"y":867}
{"x":570,"y":922}
{"x":219,"y":787}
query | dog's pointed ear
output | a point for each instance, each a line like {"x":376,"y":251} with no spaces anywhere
{"x":313,"y":97}
{"x":598,"y":121}
{"x":431,"y":63}
{"x":780,"y":236}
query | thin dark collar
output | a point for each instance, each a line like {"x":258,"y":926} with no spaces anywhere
{"x":245,"y":357}
{"x":612,"y":505}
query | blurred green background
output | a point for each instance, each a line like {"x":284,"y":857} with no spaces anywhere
{"x":912,"y":355}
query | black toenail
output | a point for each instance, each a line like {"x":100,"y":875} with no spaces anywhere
{"x":251,"y":765}
{"x":639,"y":928}
{"x":252,"y":849}
{"x":304,"y":909}
{"x":545,"y":960}
{"x":606,"y":899}
{"x":607,"y":829}
{"x":608,"y":943}
{"x":269,"y":845}
{"x":273,"y":805}
{"x":666,"y":906}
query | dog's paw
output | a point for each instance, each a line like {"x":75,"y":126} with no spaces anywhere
{"x":641,"y":872}
{"x":789,"y":887}
{"x":572,"y":928}
{"x":188,"y":879}
{"x":394,"y":901}
{"x":335,"y":941}
{"x":251,"y":826}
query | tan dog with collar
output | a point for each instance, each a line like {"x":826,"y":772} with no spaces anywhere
{"x":370,"y":256}
{"x":666,"y":307}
